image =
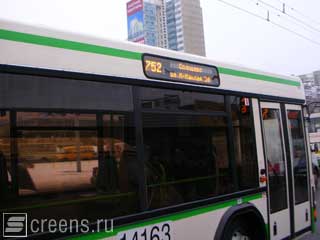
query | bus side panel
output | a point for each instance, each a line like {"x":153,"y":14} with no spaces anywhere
{"x":202,"y":226}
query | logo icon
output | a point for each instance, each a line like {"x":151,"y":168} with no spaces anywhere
{"x":14,"y":225}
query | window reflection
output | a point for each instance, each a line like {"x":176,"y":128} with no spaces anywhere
{"x":187,"y":158}
{"x":244,"y":140}
{"x":37,"y":92}
{"x":49,"y":119}
{"x":5,"y":158}
{"x":298,"y":154}
{"x":164,"y":99}
{"x":275,"y":159}
{"x":56,"y":161}
{"x":71,"y":167}
{"x":120,"y":155}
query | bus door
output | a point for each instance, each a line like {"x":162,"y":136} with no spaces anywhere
{"x":279,"y":213}
{"x":297,"y":168}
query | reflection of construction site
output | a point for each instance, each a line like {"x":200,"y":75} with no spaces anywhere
{"x":51,"y":164}
{"x":69,"y":152}
{"x":48,"y":162}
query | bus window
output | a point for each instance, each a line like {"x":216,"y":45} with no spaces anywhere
{"x":246,"y":154}
{"x":28,"y":91}
{"x":53,"y":148}
{"x":298,"y":151}
{"x":5,"y":163}
{"x":120,"y":152}
{"x":164,"y":99}
{"x":73,"y":167}
{"x":275,"y":159}
{"x":187,"y":158}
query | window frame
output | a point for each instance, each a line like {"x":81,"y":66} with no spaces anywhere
{"x":137,"y":112}
{"x":134,"y":83}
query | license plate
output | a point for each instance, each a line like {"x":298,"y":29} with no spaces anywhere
{"x":161,"y":231}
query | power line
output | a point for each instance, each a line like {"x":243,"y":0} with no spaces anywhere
{"x":276,"y":24}
{"x":300,"y":13}
{"x":242,"y":9}
{"x":279,"y":15}
{"x":284,"y":12}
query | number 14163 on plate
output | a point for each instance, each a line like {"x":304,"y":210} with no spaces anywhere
{"x":161,"y":231}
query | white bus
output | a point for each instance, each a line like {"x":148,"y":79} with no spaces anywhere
{"x":165,"y":145}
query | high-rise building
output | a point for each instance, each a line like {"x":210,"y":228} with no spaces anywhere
{"x":173,"y":24}
{"x":185,"y":26}
{"x":311,"y":84}
{"x":147,"y":22}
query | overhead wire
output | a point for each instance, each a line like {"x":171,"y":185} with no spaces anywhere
{"x":273,"y":23}
{"x":289,"y":15}
{"x":280,"y":15}
{"x":300,"y":13}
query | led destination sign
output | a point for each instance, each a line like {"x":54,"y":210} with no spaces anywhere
{"x":181,"y":71}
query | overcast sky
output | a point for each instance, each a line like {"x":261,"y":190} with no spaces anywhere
{"x":231,"y":35}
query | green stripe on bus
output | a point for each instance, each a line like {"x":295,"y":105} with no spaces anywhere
{"x":267,"y":232}
{"x":256,"y":76}
{"x":66,"y":44}
{"x":172,"y":217}
{"x":313,"y":225}
{"x":90,"y":48}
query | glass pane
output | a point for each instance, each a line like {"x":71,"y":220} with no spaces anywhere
{"x":24,"y":91}
{"x":68,"y":157}
{"x":5,"y":158}
{"x":120,"y":153}
{"x":69,"y":173}
{"x":298,"y":153}
{"x":245,"y":144}
{"x":186,"y":158}
{"x":164,"y":99}
{"x":48,"y":119}
{"x":275,"y":159}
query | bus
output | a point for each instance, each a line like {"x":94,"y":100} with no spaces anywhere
{"x":185,"y":147}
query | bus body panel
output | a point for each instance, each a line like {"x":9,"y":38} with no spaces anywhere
{"x":83,"y":59}
{"x":303,"y":216}
{"x":202,"y":226}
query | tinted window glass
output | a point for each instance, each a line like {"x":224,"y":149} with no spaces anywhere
{"x":298,"y":153}
{"x":122,"y":171}
{"x":73,"y":165}
{"x":186,"y":158}
{"x":245,"y":144}
{"x":5,"y":163}
{"x":49,"y":119}
{"x":68,"y":157}
{"x":164,"y":99}
{"x":275,"y":159}
{"x":21,"y":91}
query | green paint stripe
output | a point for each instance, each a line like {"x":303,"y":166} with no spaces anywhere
{"x":256,"y":76}
{"x":66,"y":44}
{"x":313,"y":225}
{"x":172,"y":217}
{"x":90,"y":48}
{"x":267,"y":232}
